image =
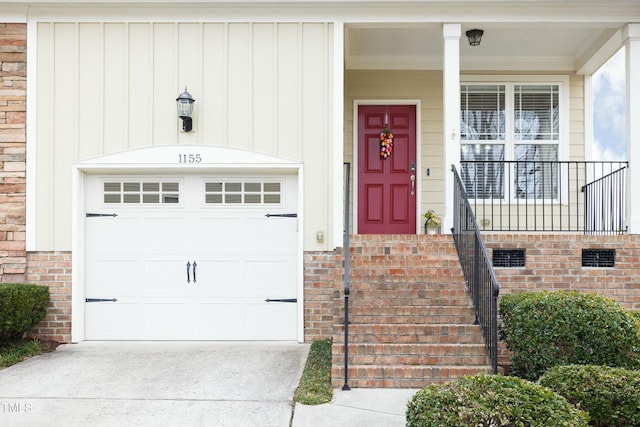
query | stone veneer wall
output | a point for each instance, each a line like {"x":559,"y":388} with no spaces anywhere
{"x":13,"y":81}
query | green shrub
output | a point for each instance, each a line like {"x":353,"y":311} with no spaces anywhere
{"x":610,"y":395}
{"x":22,"y":306}
{"x":491,"y":400}
{"x":545,"y":329}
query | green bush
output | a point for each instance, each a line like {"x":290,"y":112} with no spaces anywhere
{"x":22,"y":306}
{"x":610,"y":395}
{"x":491,"y":400}
{"x":545,"y":329}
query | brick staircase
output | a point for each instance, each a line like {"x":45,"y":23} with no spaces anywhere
{"x":411,"y":318}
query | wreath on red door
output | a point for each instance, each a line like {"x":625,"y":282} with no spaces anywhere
{"x":386,"y":142}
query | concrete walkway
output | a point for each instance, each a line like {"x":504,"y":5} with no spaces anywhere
{"x":154,"y":384}
{"x":357,"y":407}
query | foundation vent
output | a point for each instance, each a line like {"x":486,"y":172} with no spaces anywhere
{"x":599,"y":258}
{"x":508,"y":258}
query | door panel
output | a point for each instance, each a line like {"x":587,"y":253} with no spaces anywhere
{"x":140,"y":258}
{"x":386,"y":198}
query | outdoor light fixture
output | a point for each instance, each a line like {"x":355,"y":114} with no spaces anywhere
{"x":185,"y":108}
{"x":474,"y":36}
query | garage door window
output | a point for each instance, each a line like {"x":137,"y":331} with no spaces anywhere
{"x":243,"y":193}
{"x":147,"y":192}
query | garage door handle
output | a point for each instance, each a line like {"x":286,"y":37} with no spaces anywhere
{"x":189,"y":271}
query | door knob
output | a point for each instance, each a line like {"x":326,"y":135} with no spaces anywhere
{"x":413,"y":185}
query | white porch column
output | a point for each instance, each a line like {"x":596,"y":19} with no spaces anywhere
{"x":451,"y":109}
{"x":337,"y":108}
{"x":631,"y":38}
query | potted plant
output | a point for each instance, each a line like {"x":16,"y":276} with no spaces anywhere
{"x":432,"y":224}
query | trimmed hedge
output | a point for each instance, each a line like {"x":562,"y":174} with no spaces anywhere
{"x":22,"y":306}
{"x":491,"y":400}
{"x":545,"y":329}
{"x":610,"y":395}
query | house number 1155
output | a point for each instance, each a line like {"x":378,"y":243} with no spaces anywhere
{"x":189,"y":158}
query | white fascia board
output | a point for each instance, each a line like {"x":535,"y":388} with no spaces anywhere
{"x":13,"y":14}
{"x":469,"y":11}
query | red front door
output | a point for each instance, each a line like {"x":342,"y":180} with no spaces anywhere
{"x":387,"y":187}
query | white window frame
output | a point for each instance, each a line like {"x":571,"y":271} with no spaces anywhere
{"x":563,"y":83}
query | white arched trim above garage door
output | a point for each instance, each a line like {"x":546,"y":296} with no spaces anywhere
{"x":235,"y":214}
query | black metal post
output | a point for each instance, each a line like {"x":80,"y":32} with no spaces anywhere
{"x":347,"y":279}
{"x":346,"y":387}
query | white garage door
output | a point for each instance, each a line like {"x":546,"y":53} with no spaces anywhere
{"x":191,"y":258}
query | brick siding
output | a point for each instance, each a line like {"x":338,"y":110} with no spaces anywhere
{"x":554,"y":262}
{"x":52,"y":269}
{"x":13,"y":75}
{"x":322,"y":284}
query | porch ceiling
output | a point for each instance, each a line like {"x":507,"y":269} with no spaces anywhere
{"x":516,"y":47}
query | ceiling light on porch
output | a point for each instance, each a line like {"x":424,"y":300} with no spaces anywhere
{"x":185,"y":108}
{"x":474,"y":36}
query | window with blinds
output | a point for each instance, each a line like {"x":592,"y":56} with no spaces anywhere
{"x":518,"y":123}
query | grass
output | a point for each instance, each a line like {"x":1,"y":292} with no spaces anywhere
{"x":315,"y":384}
{"x":12,"y":352}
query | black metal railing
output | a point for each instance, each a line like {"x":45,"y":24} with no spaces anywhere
{"x":347,"y":271}
{"x":532,"y":195}
{"x":604,"y":203}
{"x":477,"y":268}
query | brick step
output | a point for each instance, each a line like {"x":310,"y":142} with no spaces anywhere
{"x":398,"y":319}
{"x":412,"y":333}
{"x":408,"y":278}
{"x":408,"y":281}
{"x":462,"y":301}
{"x":418,"y":349}
{"x":400,"y":292}
{"x":411,"y":310}
{"x":395,"y":376}
{"x":413,"y":360}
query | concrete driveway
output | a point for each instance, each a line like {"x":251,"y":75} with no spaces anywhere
{"x":154,"y":384}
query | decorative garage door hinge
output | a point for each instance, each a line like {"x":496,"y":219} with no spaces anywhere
{"x":282,"y":300}
{"x":93,"y":215}
{"x":100,"y":300}
{"x":287,"y":215}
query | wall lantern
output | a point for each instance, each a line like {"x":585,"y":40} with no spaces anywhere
{"x":185,"y":108}
{"x":474,"y":36}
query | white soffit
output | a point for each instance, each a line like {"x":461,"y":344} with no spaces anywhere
{"x":527,"y":47}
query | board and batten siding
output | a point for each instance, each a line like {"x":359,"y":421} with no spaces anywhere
{"x":109,"y":87}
